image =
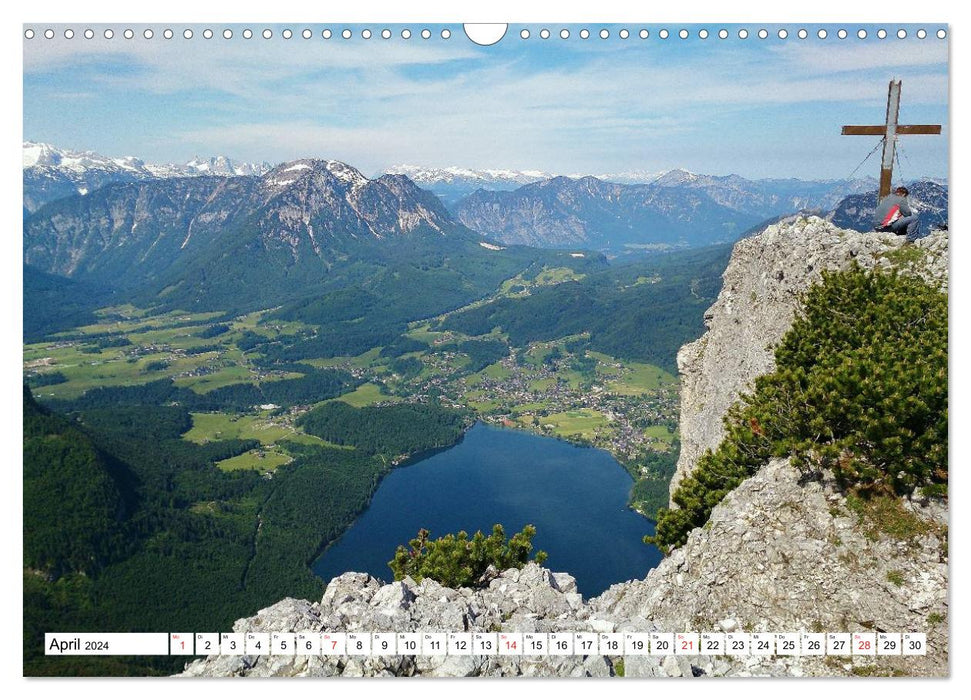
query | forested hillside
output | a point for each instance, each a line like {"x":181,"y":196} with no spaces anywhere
{"x":130,"y":527}
{"x":640,"y":311}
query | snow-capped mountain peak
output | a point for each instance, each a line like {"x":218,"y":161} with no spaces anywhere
{"x":51,"y":172}
{"x":426,"y":175}
{"x":675,"y":177}
{"x":44,"y":155}
{"x":288,"y":173}
{"x":221,"y":165}
{"x":40,"y":154}
{"x":346,"y":173}
{"x":37,"y":154}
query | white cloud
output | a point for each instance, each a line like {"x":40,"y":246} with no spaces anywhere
{"x":378,"y":102}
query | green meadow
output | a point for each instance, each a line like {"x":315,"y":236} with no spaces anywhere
{"x":639,"y":378}
{"x":260,"y":460}
{"x":211,"y":427}
{"x":583,"y":422}
{"x":661,"y":433}
{"x":365,"y":395}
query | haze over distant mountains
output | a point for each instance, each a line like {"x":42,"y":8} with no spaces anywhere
{"x":454,"y":183}
{"x":676,"y":209}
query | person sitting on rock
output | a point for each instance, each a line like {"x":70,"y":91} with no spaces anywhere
{"x":894,"y":214}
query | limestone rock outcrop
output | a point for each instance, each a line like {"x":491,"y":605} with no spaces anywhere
{"x":763,"y":285}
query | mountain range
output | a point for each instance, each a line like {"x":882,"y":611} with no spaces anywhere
{"x":453,"y":184}
{"x":51,"y":173}
{"x":304,"y":220}
{"x":677,"y":209}
{"x":315,"y":237}
{"x":222,"y":235}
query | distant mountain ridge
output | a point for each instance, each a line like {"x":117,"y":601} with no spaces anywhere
{"x":51,"y":173}
{"x":453,"y":183}
{"x":782,"y":195}
{"x":429,"y":176}
{"x":677,"y":209}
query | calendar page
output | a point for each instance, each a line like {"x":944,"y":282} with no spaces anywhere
{"x":545,"y":349}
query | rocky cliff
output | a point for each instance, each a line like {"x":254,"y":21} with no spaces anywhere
{"x":783,"y":552}
{"x":760,"y":295}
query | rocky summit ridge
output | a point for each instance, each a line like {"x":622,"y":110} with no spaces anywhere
{"x":783,"y":552}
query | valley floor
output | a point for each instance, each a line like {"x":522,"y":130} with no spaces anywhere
{"x":554,"y":388}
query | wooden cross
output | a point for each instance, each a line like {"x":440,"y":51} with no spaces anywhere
{"x":890,"y":131}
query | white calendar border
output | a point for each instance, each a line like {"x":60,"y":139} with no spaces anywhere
{"x":439,"y":10}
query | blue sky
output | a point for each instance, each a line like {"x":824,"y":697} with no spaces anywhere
{"x":757,"y":107}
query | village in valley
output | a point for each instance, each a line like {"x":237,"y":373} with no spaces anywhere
{"x":584,"y":397}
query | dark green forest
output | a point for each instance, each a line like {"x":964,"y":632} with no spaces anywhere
{"x":641,"y":311}
{"x":651,"y":489}
{"x":315,"y":385}
{"x":389,"y":430}
{"x":128,"y":527}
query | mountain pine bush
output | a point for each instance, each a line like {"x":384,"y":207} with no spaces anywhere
{"x":456,"y":561}
{"x":860,"y":387}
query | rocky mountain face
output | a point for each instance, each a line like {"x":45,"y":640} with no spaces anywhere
{"x":766,"y":562}
{"x":51,"y":173}
{"x":132,"y":231}
{"x":760,"y":295}
{"x":302,"y":217}
{"x":676,"y":209}
{"x":563,"y":212}
{"x":782,"y":552}
{"x":929,"y":198}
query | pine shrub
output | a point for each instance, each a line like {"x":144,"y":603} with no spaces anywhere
{"x":860,"y":387}
{"x":456,"y":561}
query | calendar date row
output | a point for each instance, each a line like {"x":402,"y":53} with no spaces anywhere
{"x":550,"y":644}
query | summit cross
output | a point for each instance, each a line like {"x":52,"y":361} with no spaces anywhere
{"x":890,"y":131}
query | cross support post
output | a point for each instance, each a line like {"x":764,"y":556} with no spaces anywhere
{"x":890,"y":131}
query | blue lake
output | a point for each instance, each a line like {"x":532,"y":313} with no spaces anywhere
{"x":575,"y":496}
